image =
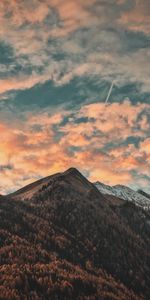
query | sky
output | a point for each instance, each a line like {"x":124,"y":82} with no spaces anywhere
{"x":58,"y":59}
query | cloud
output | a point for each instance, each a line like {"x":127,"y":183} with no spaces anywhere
{"x":96,"y":139}
{"x":137,"y":18}
{"x":21,"y":83}
{"x":145,"y":147}
{"x":63,"y":40}
{"x":79,"y":32}
{"x":22,"y":12}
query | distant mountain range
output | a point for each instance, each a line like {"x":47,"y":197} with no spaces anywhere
{"x":140,"y":198}
{"x":65,"y":238}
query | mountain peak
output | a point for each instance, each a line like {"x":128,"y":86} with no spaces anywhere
{"x":72,"y":171}
{"x":72,"y":175}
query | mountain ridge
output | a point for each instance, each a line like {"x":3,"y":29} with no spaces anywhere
{"x":121,"y":191}
{"x":82,"y":239}
{"x":125,"y":193}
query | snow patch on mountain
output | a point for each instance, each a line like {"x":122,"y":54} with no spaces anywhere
{"x":125,"y":193}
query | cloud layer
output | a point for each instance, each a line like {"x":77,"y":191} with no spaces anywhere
{"x":63,"y":55}
{"x":106,"y":142}
{"x":58,"y":40}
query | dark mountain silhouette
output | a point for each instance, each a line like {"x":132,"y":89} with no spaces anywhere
{"x":61,"y":238}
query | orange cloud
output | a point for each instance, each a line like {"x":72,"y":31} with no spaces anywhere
{"x":145,"y":146}
{"x":18,"y":83}
{"x":73,"y":14}
{"x":33,"y":148}
{"x":137,"y":19}
{"x":110,"y":177}
{"x":21,"y":12}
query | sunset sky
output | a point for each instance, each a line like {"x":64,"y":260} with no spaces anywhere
{"x":58,"y":59}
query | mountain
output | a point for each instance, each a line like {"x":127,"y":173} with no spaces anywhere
{"x":31,"y":189}
{"x":144,"y":194}
{"x":61,"y":238}
{"x":140,"y":198}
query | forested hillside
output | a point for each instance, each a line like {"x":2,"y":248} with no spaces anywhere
{"x":69,"y":241}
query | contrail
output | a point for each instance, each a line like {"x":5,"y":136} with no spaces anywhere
{"x":109,"y":93}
